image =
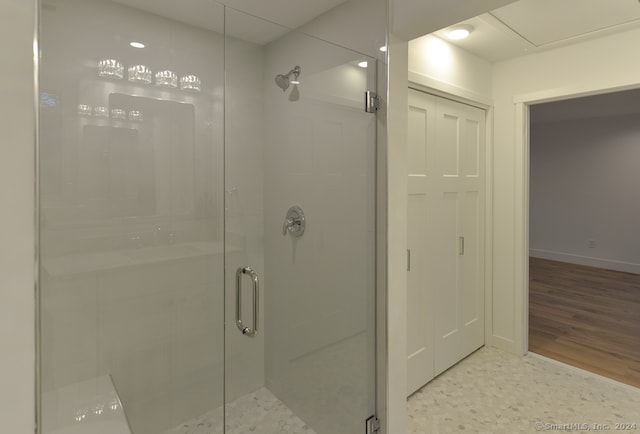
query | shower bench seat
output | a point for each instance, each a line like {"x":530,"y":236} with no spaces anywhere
{"x":91,"y":406}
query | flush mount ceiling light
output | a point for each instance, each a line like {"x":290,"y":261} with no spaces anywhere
{"x":383,"y":48}
{"x":459,"y":32}
{"x":363,"y":64}
{"x":136,"y":44}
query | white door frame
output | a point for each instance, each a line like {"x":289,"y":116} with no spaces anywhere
{"x":522,"y":160}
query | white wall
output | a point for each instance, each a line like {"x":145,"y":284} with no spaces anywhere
{"x":584,"y":186}
{"x":445,"y":67}
{"x":17,"y":126}
{"x":602,"y":64}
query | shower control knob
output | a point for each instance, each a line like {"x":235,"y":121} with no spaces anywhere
{"x":294,"y":222}
{"x":288,"y":223}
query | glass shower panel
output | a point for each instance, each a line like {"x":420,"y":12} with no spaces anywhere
{"x":297,"y":134}
{"x":131,"y":215}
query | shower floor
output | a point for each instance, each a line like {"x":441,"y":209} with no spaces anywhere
{"x":258,"y":410}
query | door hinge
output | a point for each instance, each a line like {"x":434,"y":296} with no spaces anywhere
{"x":373,"y":425}
{"x":371,"y":102}
{"x":408,"y":259}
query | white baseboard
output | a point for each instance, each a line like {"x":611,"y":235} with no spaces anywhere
{"x":608,"y":264}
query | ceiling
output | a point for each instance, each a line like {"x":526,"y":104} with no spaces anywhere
{"x":288,"y":13}
{"x":204,"y":14}
{"x":519,"y":28}
{"x":528,"y":26}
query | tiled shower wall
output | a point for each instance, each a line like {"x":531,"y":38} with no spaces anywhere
{"x":132,"y":212}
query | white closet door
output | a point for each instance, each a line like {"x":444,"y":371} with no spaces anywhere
{"x":419,"y":300}
{"x":445,"y":233}
{"x":455,"y":223}
{"x":471,"y":308}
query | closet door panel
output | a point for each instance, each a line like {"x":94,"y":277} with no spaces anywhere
{"x":473,"y":222}
{"x":472,"y":279}
{"x":472,"y":151}
{"x":419,"y":341}
{"x":420,"y":318}
{"x":444,"y":282}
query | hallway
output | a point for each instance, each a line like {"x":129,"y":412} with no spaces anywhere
{"x":495,"y":392}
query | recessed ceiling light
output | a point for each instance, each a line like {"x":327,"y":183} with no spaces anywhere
{"x":363,"y":64}
{"x":459,"y":32}
{"x":383,"y":48}
{"x":137,"y":44}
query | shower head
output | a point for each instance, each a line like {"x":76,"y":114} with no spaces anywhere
{"x":284,"y":80}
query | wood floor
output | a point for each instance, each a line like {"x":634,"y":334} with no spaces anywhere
{"x":586,"y":317}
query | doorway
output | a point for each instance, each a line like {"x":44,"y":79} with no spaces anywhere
{"x":584,"y":303}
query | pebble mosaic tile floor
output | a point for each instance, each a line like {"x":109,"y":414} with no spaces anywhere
{"x":495,"y":392}
{"x":490,"y":392}
{"x":259,"y":412}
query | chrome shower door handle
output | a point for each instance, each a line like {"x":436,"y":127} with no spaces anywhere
{"x":247,"y":331}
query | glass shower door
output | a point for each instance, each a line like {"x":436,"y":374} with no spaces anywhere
{"x":299,"y":233}
{"x":207,"y":198}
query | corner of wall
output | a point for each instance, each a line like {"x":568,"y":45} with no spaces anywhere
{"x":397,"y":101}
{"x":17,"y":186}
